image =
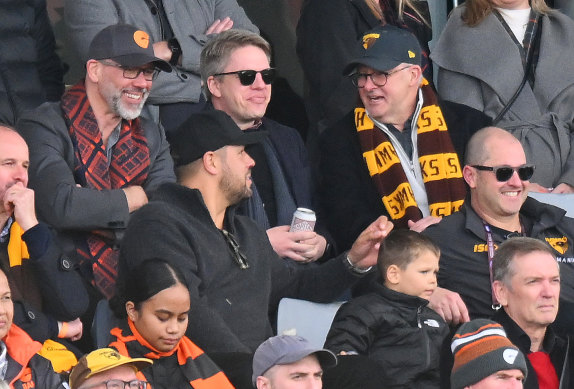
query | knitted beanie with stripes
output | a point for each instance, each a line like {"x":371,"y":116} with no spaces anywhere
{"x":481,"y":348}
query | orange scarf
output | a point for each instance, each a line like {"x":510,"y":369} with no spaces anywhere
{"x":198,"y":368}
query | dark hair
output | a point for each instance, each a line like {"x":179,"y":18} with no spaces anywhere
{"x":401,"y":248}
{"x":145,"y":281}
{"x":502,"y":269}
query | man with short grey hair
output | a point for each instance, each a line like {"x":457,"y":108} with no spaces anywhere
{"x":527,"y":286}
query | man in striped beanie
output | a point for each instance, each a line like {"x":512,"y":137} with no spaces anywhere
{"x":485,"y":358}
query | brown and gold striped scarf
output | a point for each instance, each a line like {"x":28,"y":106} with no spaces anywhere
{"x":440,"y":166}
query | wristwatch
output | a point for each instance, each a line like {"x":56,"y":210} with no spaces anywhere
{"x":175,"y":48}
{"x":355,"y":269}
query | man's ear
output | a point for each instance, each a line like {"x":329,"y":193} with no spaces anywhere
{"x":393,"y":274}
{"x":93,"y":70}
{"x":211,"y":162}
{"x":263,"y":383}
{"x":213,"y":85}
{"x":415,"y":72}
{"x":469,"y":175}
{"x":500,"y":292}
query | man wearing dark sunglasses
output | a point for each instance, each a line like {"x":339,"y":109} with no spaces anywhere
{"x":237,"y":79}
{"x":497,"y":209}
{"x":93,"y":159}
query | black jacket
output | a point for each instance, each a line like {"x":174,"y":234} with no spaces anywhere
{"x":396,"y":330}
{"x":464,"y":259}
{"x":30,"y":71}
{"x":229,"y":305}
{"x":559,"y":348}
{"x":348,"y":194}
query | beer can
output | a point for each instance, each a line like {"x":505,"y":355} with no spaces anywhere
{"x":303,"y":220}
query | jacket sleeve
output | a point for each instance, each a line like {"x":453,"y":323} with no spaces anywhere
{"x":46,"y":377}
{"x":192,"y":44}
{"x":206,"y":327}
{"x":327,"y":38}
{"x":64,"y":295}
{"x":48,"y":63}
{"x":352,"y":330}
{"x":36,"y":323}
{"x":84,"y":19}
{"x":348,"y":197}
{"x":161,"y":164}
{"x":59,"y":201}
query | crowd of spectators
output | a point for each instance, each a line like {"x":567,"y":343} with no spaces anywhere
{"x":157,"y":188}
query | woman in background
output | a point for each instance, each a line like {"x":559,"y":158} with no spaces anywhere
{"x":512,"y":59}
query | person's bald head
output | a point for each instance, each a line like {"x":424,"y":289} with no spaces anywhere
{"x":486,"y":140}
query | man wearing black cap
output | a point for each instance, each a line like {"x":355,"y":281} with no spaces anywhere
{"x":236,"y":278}
{"x":93,"y":160}
{"x":395,"y":155}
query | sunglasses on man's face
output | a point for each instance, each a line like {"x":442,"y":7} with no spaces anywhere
{"x":504,"y":173}
{"x":247,"y":77}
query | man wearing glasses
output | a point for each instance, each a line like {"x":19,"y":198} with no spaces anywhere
{"x":105,"y":368}
{"x":497,"y":209}
{"x":93,"y":160}
{"x":237,"y":79}
{"x":398,"y":153}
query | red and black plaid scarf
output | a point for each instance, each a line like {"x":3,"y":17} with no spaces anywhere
{"x":129,"y":166}
{"x":197,"y":367}
{"x":440,"y":166}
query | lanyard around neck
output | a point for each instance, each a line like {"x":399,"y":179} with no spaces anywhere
{"x":490,"y":251}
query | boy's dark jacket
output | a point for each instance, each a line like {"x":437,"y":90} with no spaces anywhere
{"x":397,"y":330}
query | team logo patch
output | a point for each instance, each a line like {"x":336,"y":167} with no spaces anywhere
{"x":411,"y":54}
{"x":141,"y":38}
{"x":369,"y":40}
{"x":432,"y":323}
{"x":558,"y":244}
{"x":509,"y":355}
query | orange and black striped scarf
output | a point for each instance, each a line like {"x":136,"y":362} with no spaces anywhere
{"x":197,"y":367}
{"x":129,"y":166}
{"x":440,"y":166}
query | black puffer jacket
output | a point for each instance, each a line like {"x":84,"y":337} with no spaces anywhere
{"x":30,"y":71}
{"x":396,"y":330}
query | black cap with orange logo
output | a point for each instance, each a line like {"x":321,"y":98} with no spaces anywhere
{"x":126,"y":45}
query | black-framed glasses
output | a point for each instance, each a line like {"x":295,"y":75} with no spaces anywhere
{"x":504,"y":173}
{"x":239,"y":257}
{"x":247,"y":77}
{"x":150,"y":74}
{"x":119,"y":384}
{"x":378,"y":78}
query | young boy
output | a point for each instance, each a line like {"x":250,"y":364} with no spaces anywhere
{"x":393,"y":325}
